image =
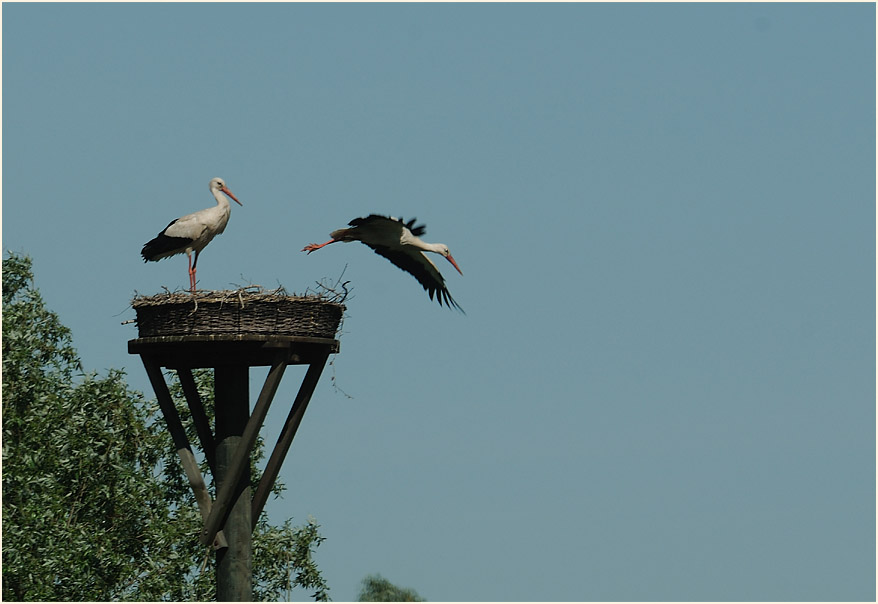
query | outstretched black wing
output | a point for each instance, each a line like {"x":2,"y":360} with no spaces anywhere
{"x":416,"y":263}
{"x":374,"y":219}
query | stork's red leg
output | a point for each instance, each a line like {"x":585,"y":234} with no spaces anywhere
{"x":192,"y":271}
{"x":313,"y":246}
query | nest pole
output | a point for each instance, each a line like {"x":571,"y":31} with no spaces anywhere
{"x":233,"y":563}
{"x":231,"y":518}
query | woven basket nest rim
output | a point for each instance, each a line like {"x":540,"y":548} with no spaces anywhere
{"x":238,"y":297}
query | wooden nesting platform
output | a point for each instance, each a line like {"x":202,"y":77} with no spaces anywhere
{"x":215,"y":328}
{"x":231,"y":331}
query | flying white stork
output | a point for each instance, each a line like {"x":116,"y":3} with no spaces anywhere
{"x":398,"y":242}
{"x":193,"y":232}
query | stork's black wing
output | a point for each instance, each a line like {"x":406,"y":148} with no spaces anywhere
{"x":417,"y":231}
{"x":416,"y":263}
{"x":164,"y":245}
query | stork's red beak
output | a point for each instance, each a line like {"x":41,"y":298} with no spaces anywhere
{"x":232,"y":195}
{"x":451,"y":260}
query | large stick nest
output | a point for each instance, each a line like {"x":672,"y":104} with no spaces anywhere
{"x":248,"y":310}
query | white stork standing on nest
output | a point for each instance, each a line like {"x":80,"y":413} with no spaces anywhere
{"x":193,"y":232}
{"x":398,"y":242}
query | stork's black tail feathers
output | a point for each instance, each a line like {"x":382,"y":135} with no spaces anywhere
{"x":417,"y":231}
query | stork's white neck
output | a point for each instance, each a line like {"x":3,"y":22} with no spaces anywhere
{"x":221,"y":199}
{"x":436,"y":248}
{"x":409,"y":239}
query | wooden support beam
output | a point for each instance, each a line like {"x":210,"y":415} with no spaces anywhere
{"x":211,"y":351}
{"x":285,"y":438}
{"x":181,"y":442}
{"x":241,"y":461}
{"x":199,"y":417}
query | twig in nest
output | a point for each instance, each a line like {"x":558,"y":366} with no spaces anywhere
{"x":331,"y":293}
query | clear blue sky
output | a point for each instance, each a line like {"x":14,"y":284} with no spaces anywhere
{"x":664,"y":385}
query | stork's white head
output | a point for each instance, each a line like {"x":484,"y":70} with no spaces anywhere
{"x":218,"y":184}
{"x":441,"y":248}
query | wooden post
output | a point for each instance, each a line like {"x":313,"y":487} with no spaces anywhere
{"x":285,"y":439}
{"x":226,"y":493}
{"x":229,"y":447}
{"x":233,"y":564}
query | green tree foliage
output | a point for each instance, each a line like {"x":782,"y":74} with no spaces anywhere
{"x":95,"y":504}
{"x":378,"y":589}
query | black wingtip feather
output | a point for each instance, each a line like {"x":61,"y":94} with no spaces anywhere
{"x":449,"y":301}
{"x":443,"y":297}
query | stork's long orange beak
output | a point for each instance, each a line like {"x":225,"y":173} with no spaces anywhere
{"x":451,"y":260}
{"x":232,"y":195}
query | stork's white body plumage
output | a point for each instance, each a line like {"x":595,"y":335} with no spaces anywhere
{"x":191,"y":233}
{"x":398,"y":241}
